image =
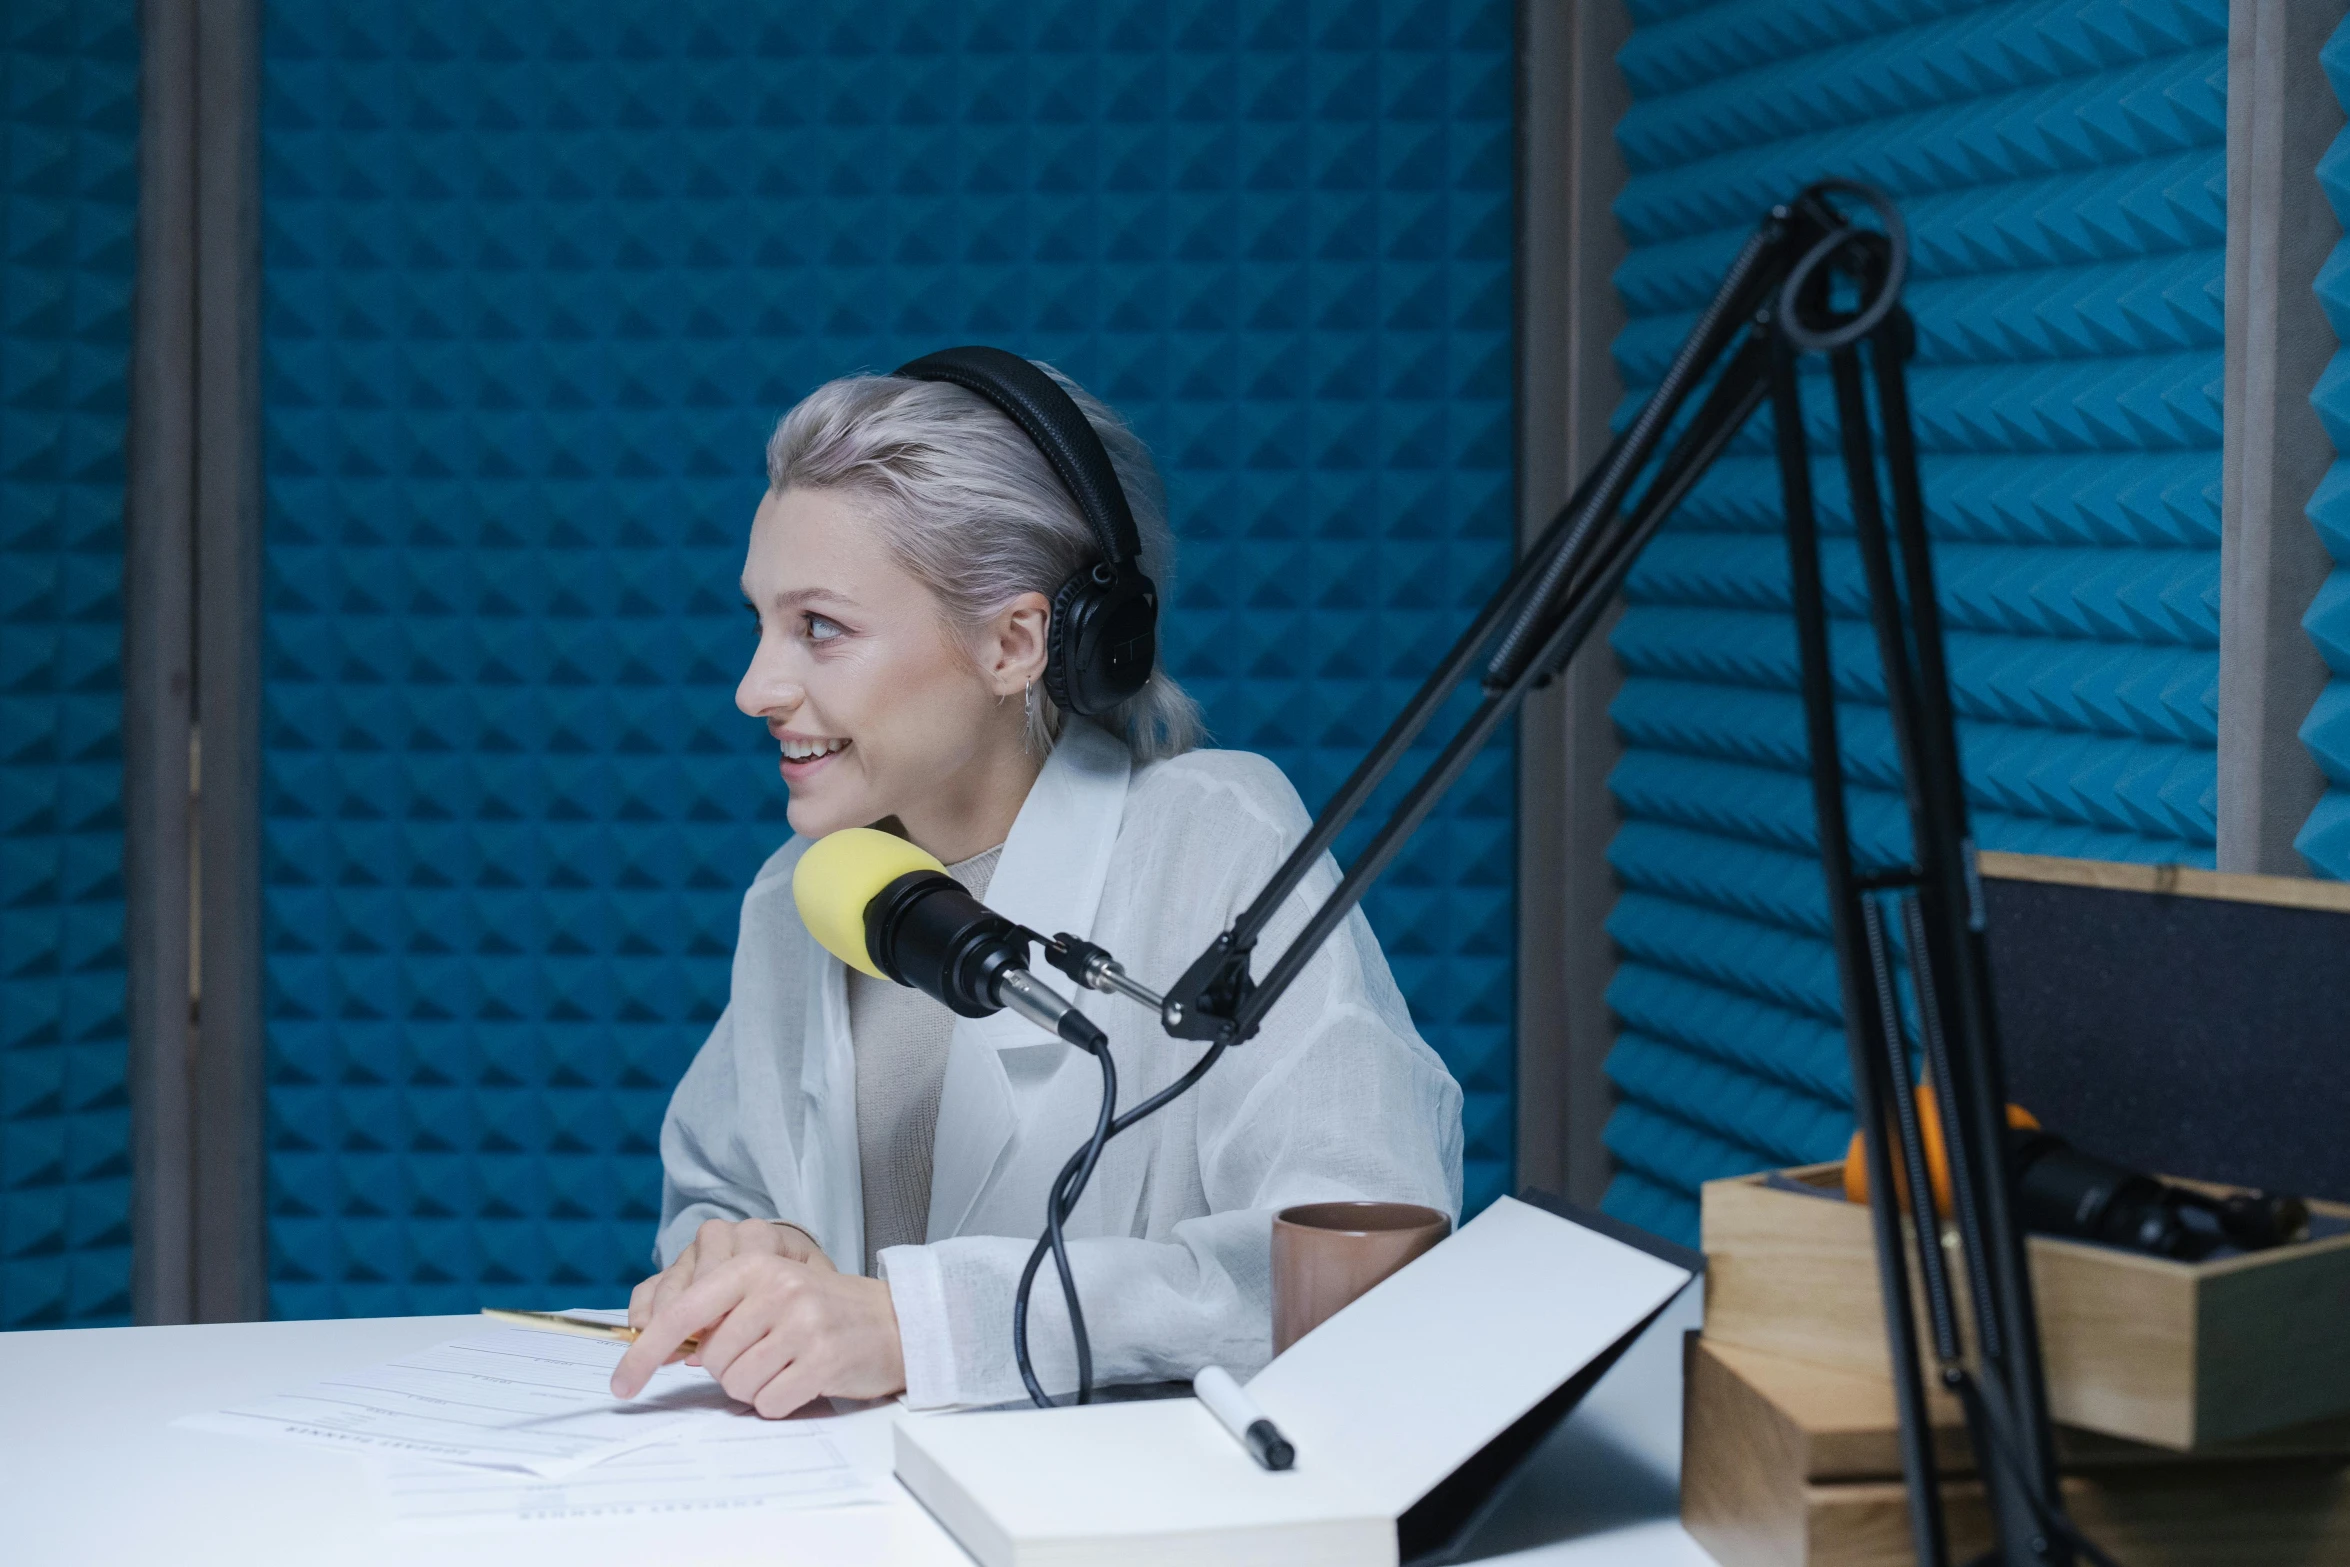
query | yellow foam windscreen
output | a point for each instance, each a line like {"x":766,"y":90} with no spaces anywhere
{"x":839,"y":874}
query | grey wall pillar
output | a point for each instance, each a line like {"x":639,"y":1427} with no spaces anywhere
{"x":159,"y":671}
{"x":231,"y":1273}
{"x":1570,"y":98}
{"x":191,"y":672}
{"x":2281,"y":117}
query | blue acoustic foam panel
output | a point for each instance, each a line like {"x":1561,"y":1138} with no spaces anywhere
{"x":538,"y":282}
{"x":69,"y":125}
{"x":2324,"y":840}
{"x":2059,"y":163}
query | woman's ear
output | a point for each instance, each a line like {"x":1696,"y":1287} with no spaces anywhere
{"x":1012,"y":651}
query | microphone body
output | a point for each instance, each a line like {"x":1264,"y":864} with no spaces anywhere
{"x":925,"y":930}
{"x":880,"y":904}
{"x":2063,"y":1190}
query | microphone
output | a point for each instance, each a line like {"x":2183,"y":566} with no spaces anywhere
{"x":2063,"y":1190}
{"x":888,"y":908}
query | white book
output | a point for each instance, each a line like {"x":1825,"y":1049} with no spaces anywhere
{"x":1157,"y":1483}
{"x":1438,"y":1375}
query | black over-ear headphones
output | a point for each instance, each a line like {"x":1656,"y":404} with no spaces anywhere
{"x":1103,"y":639}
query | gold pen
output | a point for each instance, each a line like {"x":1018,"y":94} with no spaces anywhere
{"x":556,"y":1322}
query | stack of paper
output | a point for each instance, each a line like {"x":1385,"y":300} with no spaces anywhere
{"x":733,"y":1462}
{"x":519,"y":1426}
{"x":508,"y":1399}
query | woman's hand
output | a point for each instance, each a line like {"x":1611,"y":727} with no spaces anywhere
{"x":775,"y":1333}
{"x":714,"y":1243}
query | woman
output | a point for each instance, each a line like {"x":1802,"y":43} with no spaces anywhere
{"x":853,"y":1176}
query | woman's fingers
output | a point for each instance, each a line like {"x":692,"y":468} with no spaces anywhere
{"x":793,"y":1385}
{"x":697,"y":1307}
{"x":764,"y":1298}
{"x":775,"y":1333}
{"x":715,"y":1240}
{"x":719,"y":1241}
{"x":771,"y":1366}
{"x":666,"y":1289}
{"x":759,"y":1364}
{"x":715,"y":1243}
{"x":677,"y":1278}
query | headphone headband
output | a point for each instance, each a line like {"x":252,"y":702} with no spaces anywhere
{"x":1051,"y":418}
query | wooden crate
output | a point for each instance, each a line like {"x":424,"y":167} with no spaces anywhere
{"x":1789,"y":1464}
{"x":2183,"y":1355}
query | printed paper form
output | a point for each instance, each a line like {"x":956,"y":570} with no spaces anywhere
{"x":709,"y":1463}
{"x":506,"y":1399}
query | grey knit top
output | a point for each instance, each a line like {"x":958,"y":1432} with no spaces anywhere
{"x":900,"y":1037}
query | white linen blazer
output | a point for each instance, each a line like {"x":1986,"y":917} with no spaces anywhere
{"x":1337,"y":1096}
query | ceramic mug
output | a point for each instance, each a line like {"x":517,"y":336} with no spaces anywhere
{"x":1326,"y":1254}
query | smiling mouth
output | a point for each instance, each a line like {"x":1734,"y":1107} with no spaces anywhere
{"x":812,"y":750}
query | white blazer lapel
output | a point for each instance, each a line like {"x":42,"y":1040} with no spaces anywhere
{"x":831,"y":1179}
{"x":1050,"y":879}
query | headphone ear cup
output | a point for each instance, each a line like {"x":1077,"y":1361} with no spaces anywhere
{"x":1103,"y":640}
{"x":1060,"y":642}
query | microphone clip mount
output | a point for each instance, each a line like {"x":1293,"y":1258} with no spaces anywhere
{"x":1094,"y":968}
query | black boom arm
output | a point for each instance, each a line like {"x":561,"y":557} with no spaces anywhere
{"x":1809,"y":280}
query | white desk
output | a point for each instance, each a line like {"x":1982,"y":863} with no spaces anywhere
{"x":91,"y":1471}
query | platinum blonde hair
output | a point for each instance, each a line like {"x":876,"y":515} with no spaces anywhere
{"x":973,"y":512}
